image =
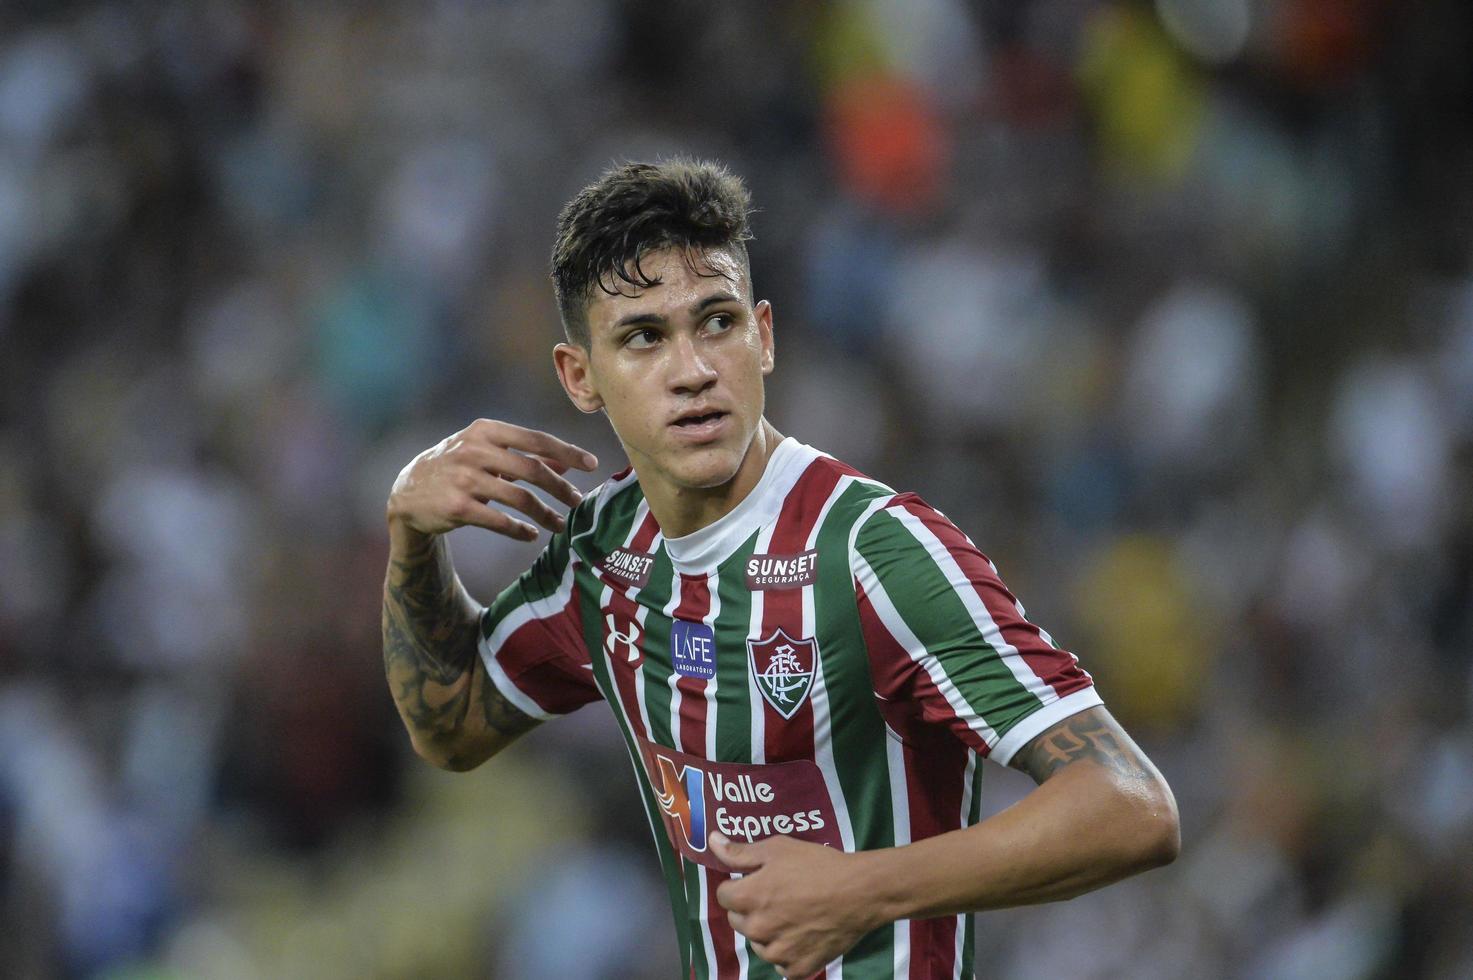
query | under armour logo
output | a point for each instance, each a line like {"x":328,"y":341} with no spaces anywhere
{"x":623,"y":643}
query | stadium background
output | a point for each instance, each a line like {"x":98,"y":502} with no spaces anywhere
{"x":1169,"y":305}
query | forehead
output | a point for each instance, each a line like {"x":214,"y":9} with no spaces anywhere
{"x":685,"y":278}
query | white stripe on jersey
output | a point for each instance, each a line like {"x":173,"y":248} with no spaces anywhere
{"x":549,"y":605}
{"x":713,"y":586}
{"x":961,"y":921}
{"x":900,"y":807}
{"x":674,"y":679}
{"x":755,"y":700}
{"x":900,"y":632}
{"x":983,"y":620}
{"x":818,"y":696}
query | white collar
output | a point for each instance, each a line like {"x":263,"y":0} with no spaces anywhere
{"x":707,"y":547}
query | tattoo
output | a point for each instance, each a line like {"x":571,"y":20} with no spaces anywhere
{"x":430,"y":635}
{"x":1091,"y":735}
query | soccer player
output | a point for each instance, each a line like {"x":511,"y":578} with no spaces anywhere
{"x":807,"y":666}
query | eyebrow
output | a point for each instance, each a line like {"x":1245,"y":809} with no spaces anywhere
{"x":696,"y":309}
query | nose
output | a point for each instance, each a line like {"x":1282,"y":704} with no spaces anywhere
{"x":690,"y":371}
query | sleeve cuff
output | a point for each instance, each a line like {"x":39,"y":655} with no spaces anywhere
{"x":1035,"y":724}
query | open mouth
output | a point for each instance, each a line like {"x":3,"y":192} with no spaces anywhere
{"x":695,"y":421}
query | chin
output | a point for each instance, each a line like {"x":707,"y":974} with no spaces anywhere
{"x":704,"y":469}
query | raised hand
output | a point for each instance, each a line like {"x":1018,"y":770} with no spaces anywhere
{"x":451,"y":483}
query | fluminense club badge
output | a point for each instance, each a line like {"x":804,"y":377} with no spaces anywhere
{"x":783,"y":668}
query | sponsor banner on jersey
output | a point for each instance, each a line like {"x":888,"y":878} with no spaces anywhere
{"x":693,"y":649}
{"x":782,"y":571}
{"x":783,"y":668}
{"x":623,"y":638}
{"x":628,"y":566}
{"x":745,"y":802}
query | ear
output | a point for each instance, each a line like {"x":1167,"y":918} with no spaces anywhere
{"x":576,"y":375}
{"x":763,"y":312}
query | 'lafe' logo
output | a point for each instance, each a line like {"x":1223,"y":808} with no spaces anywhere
{"x":682,"y":795}
{"x":783,"y":669}
{"x":693,"y":649}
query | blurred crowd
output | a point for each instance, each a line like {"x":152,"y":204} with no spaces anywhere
{"x":1168,"y":304}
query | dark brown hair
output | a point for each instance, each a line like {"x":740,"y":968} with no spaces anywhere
{"x":637,"y":208}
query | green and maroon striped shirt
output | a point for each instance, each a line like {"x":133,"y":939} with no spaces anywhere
{"x":829,"y":660}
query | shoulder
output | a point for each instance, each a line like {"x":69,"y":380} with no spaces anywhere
{"x":619,"y":493}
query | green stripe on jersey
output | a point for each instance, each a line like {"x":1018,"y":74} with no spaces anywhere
{"x":857,"y":732}
{"x":969,"y":921}
{"x":733,"y":692}
{"x":936,"y":615}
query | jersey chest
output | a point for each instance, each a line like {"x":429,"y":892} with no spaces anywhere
{"x":746,"y":663}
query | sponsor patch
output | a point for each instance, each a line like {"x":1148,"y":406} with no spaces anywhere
{"x":782,"y":571}
{"x":693,"y":649}
{"x":745,"y":802}
{"x":783,"y":668}
{"x":623,"y":638}
{"x":629,"y":567}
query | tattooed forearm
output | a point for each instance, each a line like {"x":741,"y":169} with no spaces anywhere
{"x":1091,"y":735}
{"x":451,"y":708}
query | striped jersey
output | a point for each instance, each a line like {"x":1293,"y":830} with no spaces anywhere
{"x":829,"y":660}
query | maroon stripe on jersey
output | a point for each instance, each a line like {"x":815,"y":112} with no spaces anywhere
{"x":542,"y":657}
{"x":901,"y":680}
{"x":694,"y":606}
{"x":935,"y":768}
{"x":625,"y":609}
{"x":542,"y":639}
{"x":1056,"y":668}
{"x":792,"y":738}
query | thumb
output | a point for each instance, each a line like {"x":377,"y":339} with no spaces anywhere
{"x":738,"y":857}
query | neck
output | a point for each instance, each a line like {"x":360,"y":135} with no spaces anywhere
{"x":683,"y":510}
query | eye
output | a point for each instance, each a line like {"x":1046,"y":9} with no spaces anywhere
{"x":641,"y":339}
{"x":720,"y":323}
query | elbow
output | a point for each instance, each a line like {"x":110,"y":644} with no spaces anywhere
{"x":440,"y":753}
{"x":1160,"y":828}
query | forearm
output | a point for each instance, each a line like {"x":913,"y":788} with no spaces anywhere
{"x":429,"y":633}
{"x":1101,"y":812}
{"x":1076,"y":832}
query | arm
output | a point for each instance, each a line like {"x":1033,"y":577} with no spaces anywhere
{"x":1101,"y":812}
{"x":455,"y":715}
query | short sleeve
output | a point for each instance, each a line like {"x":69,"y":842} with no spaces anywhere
{"x":943,"y":632}
{"x":532,"y":638}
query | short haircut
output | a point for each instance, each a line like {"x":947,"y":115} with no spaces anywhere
{"x":612,"y":224}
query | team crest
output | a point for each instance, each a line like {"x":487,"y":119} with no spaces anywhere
{"x":783,"y":668}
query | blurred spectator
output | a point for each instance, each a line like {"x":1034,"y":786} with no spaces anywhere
{"x":1168,"y":304}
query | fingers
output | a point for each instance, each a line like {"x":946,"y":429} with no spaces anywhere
{"x":485,"y":488}
{"x":738,"y":857}
{"x":531,"y":469}
{"x":476,"y":514}
{"x":535,"y":442}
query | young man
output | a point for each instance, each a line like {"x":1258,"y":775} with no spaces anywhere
{"x":806,"y":665}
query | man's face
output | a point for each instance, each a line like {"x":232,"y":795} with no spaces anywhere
{"x":679,"y":367}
